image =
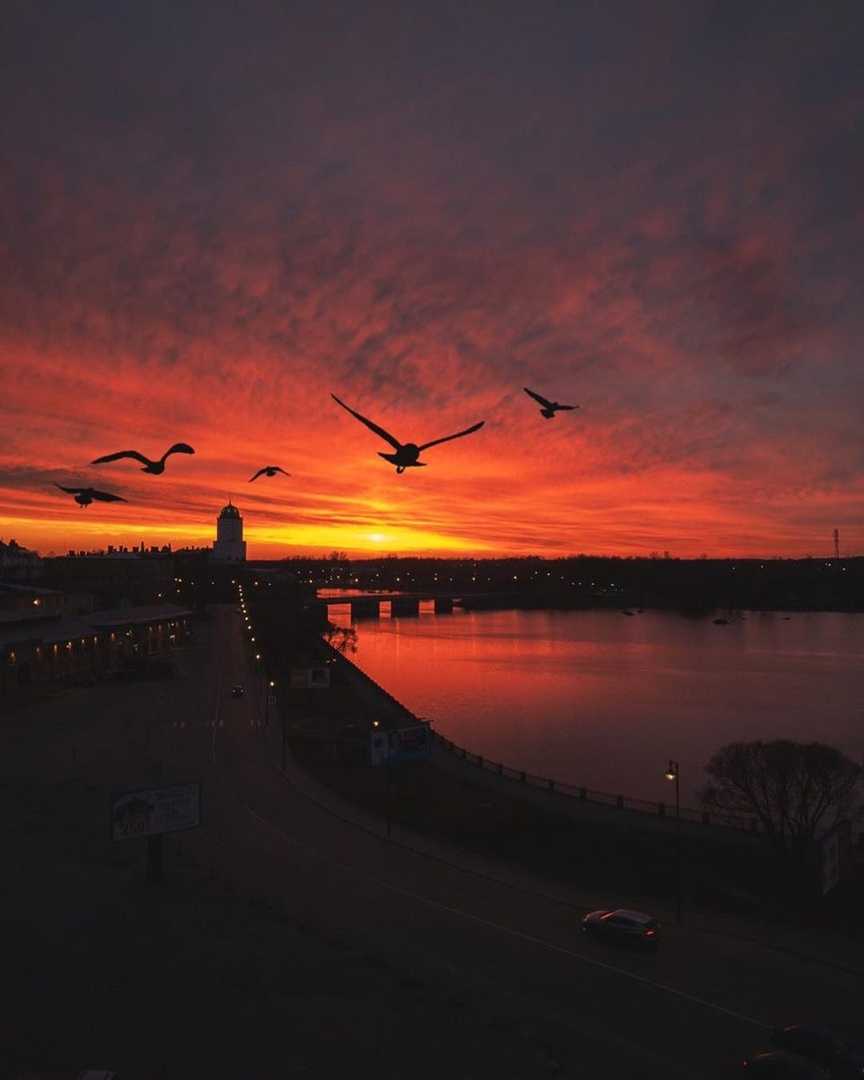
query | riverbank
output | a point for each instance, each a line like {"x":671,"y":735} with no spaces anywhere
{"x":602,"y":701}
{"x":579,"y":846}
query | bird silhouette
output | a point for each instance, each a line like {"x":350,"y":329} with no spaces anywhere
{"x":406,"y":453}
{"x":269,"y":470}
{"x":549,"y":408}
{"x":87,"y":495}
{"x":154,"y":467}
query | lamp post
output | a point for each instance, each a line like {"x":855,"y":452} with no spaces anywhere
{"x":673,"y":772}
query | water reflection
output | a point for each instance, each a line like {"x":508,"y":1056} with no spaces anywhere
{"x":592,"y":698}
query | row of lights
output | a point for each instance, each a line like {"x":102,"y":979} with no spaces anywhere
{"x":271,"y":682}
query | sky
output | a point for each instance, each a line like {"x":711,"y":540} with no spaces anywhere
{"x":213,"y":216}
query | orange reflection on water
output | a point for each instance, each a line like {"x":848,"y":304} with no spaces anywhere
{"x":593,"y":698}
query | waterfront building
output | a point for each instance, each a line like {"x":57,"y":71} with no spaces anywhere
{"x":229,"y":545}
{"x":124,"y":642}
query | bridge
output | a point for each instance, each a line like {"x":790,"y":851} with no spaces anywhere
{"x":368,"y":605}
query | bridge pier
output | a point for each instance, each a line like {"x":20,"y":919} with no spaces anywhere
{"x":443,"y":605}
{"x":404,"y":605}
{"x":365,"y":607}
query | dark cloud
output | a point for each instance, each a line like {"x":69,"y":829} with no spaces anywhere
{"x":212,"y":216}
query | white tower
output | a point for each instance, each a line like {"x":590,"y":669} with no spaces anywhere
{"x":229,"y":545}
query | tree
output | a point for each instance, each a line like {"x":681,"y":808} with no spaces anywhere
{"x":797,"y":791}
{"x":342,"y":638}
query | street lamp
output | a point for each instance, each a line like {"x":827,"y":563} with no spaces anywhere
{"x":673,"y":772}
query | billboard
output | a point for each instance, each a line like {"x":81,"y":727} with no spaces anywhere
{"x":378,"y":748}
{"x":835,"y":848}
{"x":830,"y":862}
{"x":403,"y":744}
{"x":153,"y":811}
{"x":319,"y":677}
{"x":315,"y":678}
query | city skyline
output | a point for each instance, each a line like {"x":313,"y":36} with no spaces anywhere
{"x":213,"y":221}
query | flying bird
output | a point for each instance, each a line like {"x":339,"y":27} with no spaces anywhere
{"x":549,"y":407}
{"x":269,"y":470}
{"x":154,"y":467}
{"x":85,"y":496}
{"x":406,"y":453}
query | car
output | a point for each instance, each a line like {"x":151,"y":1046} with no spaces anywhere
{"x":822,"y":1046}
{"x":634,"y":927}
{"x":780,"y":1065}
{"x":237,"y":691}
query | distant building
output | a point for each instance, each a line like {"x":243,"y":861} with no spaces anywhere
{"x":116,"y":577}
{"x":229,"y":545}
{"x":23,"y":601}
{"x":18,"y":563}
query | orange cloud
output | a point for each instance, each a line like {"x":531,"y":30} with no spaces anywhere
{"x":608,"y":211}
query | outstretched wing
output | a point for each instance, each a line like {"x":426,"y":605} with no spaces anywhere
{"x":458,"y":435}
{"x":103,"y":496}
{"x":565,"y":408}
{"x":372,"y":427}
{"x":178,"y":448}
{"x":537,"y":397}
{"x":122,"y":454}
{"x":279,"y":468}
{"x":257,"y":474}
{"x":69,"y":491}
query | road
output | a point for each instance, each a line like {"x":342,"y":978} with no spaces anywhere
{"x":692,"y":1009}
{"x":287,"y":941}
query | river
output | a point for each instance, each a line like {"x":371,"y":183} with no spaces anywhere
{"x":605,"y":700}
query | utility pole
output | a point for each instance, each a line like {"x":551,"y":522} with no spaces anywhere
{"x":673,"y":772}
{"x":836,"y":543}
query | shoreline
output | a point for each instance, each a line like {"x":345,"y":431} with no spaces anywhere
{"x":728,"y":873}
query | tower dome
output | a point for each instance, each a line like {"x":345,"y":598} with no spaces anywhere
{"x":229,"y":545}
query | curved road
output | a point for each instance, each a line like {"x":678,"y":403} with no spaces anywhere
{"x":513,"y":958}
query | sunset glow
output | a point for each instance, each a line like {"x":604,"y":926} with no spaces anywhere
{"x":423,"y":218}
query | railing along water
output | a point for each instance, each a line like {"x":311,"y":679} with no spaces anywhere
{"x":603,"y":798}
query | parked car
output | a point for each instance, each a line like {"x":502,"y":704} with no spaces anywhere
{"x":237,"y":691}
{"x":822,"y":1046}
{"x":634,"y":927}
{"x":780,"y":1065}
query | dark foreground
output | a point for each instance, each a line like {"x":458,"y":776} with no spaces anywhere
{"x":288,"y":941}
